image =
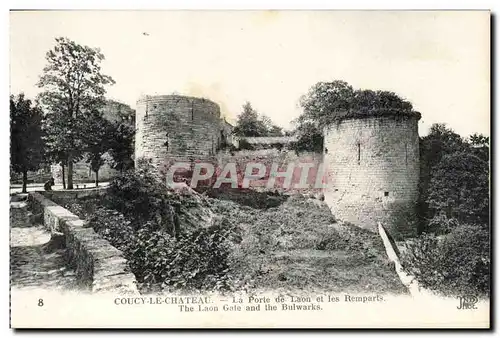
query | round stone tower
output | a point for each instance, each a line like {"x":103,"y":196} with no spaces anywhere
{"x":176,"y":128}
{"x":373,"y":171}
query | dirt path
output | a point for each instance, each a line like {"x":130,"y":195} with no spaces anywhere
{"x":35,"y":262}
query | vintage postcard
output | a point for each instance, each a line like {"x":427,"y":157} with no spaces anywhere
{"x":250,"y":169}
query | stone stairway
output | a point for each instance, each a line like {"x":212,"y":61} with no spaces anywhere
{"x":36,"y":259}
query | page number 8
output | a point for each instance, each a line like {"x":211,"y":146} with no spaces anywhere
{"x":40,"y":302}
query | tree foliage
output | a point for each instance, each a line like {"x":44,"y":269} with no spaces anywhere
{"x":309,"y":138}
{"x":459,"y":189}
{"x":328,"y":102}
{"x":439,"y":142}
{"x":97,"y":140}
{"x":252,"y":124}
{"x":26,"y":145}
{"x":122,"y":147}
{"x":270,"y":128}
{"x":454,"y":179}
{"x":480,"y":146}
{"x":74,"y":87}
{"x":456,"y":264}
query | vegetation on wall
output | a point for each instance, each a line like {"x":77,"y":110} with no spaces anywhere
{"x":329,"y":102}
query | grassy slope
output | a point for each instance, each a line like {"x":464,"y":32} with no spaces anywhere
{"x":292,"y":244}
{"x":299,"y":246}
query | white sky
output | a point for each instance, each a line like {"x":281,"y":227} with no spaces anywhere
{"x":439,"y":61}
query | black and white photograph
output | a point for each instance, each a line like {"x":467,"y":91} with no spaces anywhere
{"x":250,"y":169}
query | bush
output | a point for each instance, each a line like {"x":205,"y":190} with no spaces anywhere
{"x":141,"y":217}
{"x":198,"y":260}
{"x":459,"y":188}
{"x":455,"y":264}
{"x":113,"y":227}
{"x":246,"y":197}
{"x":143,"y":197}
{"x":195,"y":260}
{"x":245,"y":145}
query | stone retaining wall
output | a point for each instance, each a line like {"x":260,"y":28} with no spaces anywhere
{"x":97,"y":263}
{"x":282,"y":159}
{"x":64,"y":196}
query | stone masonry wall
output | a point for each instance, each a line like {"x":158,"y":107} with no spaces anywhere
{"x":282,"y":159}
{"x":173,"y":127}
{"x":64,"y":196}
{"x":373,"y":172}
{"x":97,"y":263}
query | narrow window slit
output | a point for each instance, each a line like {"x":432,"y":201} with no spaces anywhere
{"x":406,"y":153}
{"x":359,"y":153}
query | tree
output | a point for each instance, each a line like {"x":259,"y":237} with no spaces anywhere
{"x":459,"y":189}
{"x":309,"y":138}
{"x":439,"y":142}
{"x":26,"y":145}
{"x":57,"y":143}
{"x":329,"y":102}
{"x":122,"y":147}
{"x":271,"y":128}
{"x":480,"y":145}
{"x":73,"y":87}
{"x":323,"y":100}
{"x":98,"y":140}
{"x":252,"y":124}
{"x":249,"y":124}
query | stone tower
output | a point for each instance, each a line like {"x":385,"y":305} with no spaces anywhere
{"x":373,"y":171}
{"x":176,"y":128}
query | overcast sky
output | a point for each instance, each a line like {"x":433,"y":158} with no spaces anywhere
{"x":439,"y":61}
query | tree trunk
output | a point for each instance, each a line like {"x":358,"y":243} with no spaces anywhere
{"x":63,"y":175}
{"x":96,"y":178}
{"x":70,"y":172}
{"x":25,"y":180}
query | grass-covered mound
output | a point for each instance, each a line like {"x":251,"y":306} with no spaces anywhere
{"x":299,"y":246}
{"x":234,"y":240}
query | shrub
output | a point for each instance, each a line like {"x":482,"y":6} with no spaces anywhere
{"x":245,"y":145}
{"x":143,"y":197}
{"x":113,"y":227}
{"x":454,"y":264}
{"x":195,"y":260}
{"x":459,"y":188}
{"x":136,"y":192}
{"x":141,"y":218}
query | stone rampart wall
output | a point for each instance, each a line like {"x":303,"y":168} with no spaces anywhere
{"x":97,"y":263}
